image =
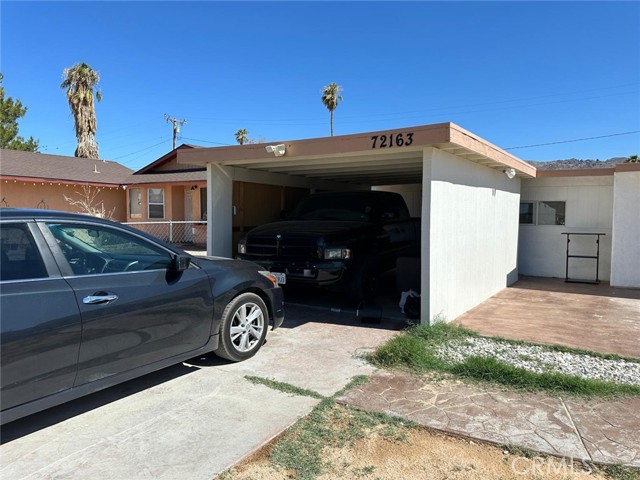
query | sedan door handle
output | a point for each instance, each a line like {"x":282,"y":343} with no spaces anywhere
{"x":97,"y":299}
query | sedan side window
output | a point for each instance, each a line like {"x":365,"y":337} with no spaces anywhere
{"x":19,"y":255}
{"x":92,"y":250}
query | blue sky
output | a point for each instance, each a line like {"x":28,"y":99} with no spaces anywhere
{"x":515,"y":73}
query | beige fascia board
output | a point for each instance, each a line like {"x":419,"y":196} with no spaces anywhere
{"x":316,"y":147}
{"x":469,"y":141}
{"x":441,"y":134}
{"x":576,"y":172}
{"x":628,"y":167}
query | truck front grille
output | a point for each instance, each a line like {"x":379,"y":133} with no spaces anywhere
{"x":285,"y":247}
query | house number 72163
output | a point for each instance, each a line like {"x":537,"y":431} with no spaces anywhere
{"x":392,"y":140}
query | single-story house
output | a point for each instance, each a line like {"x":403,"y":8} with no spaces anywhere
{"x":40,"y":180}
{"x":486,"y":215}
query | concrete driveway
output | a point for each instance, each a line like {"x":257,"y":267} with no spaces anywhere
{"x":195,"y":419}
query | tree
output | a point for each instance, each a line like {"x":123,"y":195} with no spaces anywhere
{"x":330,"y":98}
{"x":632,"y":159}
{"x":80,"y":80}
{"x":10,"y":111}
{"x":87,"y":201}
{"x":242,"y":136}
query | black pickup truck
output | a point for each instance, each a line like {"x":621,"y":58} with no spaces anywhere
{"x":340,"y":240}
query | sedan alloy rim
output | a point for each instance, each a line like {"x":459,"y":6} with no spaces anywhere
{"x":247,"y":327}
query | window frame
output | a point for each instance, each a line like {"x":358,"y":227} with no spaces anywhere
{"x":66,"y":267}
{"x":535,"y":221}
{"x":149,"y":203}
{"x":31,"y":235}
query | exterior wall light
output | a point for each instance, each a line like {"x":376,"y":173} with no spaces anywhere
{"x":510,"y":172}
{"x":277,"y":150}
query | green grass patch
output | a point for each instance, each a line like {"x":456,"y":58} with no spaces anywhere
{"x":330,"y":425}
{"x":619,"y":472}
{"x":492,"y":370}
{"x":283,"y":387}
{"x":415,"y":350}
{"x":300,"y":450}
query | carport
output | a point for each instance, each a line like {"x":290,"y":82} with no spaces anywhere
{"x":465,"y":189}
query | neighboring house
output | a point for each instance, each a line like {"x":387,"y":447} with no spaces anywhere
{"x":164,"y":190}
{"x":169,"y":200}
{"x":39,"y":180}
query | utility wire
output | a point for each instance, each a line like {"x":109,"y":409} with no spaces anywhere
{"x":574,"y":140}
{"x":142,"y":150}
{"x":208,"y":141}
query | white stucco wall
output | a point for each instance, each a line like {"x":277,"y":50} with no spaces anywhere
{"x":625,"y":252}
{"x":469,"y":234}
{"x":589,"y":205}
{"x":220,"y":210}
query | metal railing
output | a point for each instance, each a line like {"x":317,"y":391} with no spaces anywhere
{"x":181,"y":233}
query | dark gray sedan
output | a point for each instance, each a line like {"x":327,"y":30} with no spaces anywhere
{"x":86,"y":303}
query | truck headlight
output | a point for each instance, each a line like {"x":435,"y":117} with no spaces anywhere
{"x":337,"y":253}
{"x":242,"y":247}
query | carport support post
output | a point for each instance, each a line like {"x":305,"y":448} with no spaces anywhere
{"x":425,"y":248}
{"x":220,"y":210}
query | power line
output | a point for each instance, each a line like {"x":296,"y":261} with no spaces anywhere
{"x":142,"y":150}
{"x":574,"y":140}
{"x":208,"y":141}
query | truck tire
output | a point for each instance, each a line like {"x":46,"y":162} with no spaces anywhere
{"x":361,"y":280}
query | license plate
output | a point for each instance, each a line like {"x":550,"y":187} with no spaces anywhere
{"x":281,"y":277}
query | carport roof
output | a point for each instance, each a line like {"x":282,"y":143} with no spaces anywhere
{"x":360,"y":158}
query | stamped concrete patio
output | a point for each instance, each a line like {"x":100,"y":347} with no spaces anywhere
{"x":599,"y":318}
{"x":601,"y":431}
{"x":541,"y":310}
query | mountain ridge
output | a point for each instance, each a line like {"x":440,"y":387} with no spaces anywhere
{"x":574,"y":163}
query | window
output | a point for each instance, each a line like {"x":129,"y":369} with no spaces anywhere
{"x":550,"y":213}
{"x":527,"y":213}
{"x":91,"y":249}
{"x":135,"y":203}
{"x":19,"y":256}
{"x":156,"y":202}
{"x":203,"y":203}
{"x":542,"y":213}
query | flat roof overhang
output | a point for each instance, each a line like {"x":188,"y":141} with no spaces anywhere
{"x":360,"y":158}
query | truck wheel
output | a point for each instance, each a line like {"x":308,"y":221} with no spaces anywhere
{"x":244,"y":327}
{"x":362,"y":281}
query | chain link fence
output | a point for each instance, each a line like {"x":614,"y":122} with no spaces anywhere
{"x":188,"y":235}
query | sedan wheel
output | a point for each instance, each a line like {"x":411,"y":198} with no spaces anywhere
{"x":244,"y":327}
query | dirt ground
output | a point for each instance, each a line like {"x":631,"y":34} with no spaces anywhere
{"x":422,"y":454}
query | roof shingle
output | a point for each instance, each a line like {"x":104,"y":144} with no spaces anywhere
{"x":20,"y":164}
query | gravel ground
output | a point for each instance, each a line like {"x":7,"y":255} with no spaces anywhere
{"x":540,"y":359}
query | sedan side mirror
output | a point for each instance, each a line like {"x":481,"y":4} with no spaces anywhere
{"x":180,"y":263}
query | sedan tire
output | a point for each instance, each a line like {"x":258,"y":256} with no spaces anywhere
{"x":244,"y":327}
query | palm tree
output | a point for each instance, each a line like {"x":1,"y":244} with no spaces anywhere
{"x":80,"y":80}
{"x":330,"y":98}
{"x":241,"y":136}
{"x":632,"y":159}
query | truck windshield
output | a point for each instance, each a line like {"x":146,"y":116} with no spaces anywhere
{"x":335,"y":207}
